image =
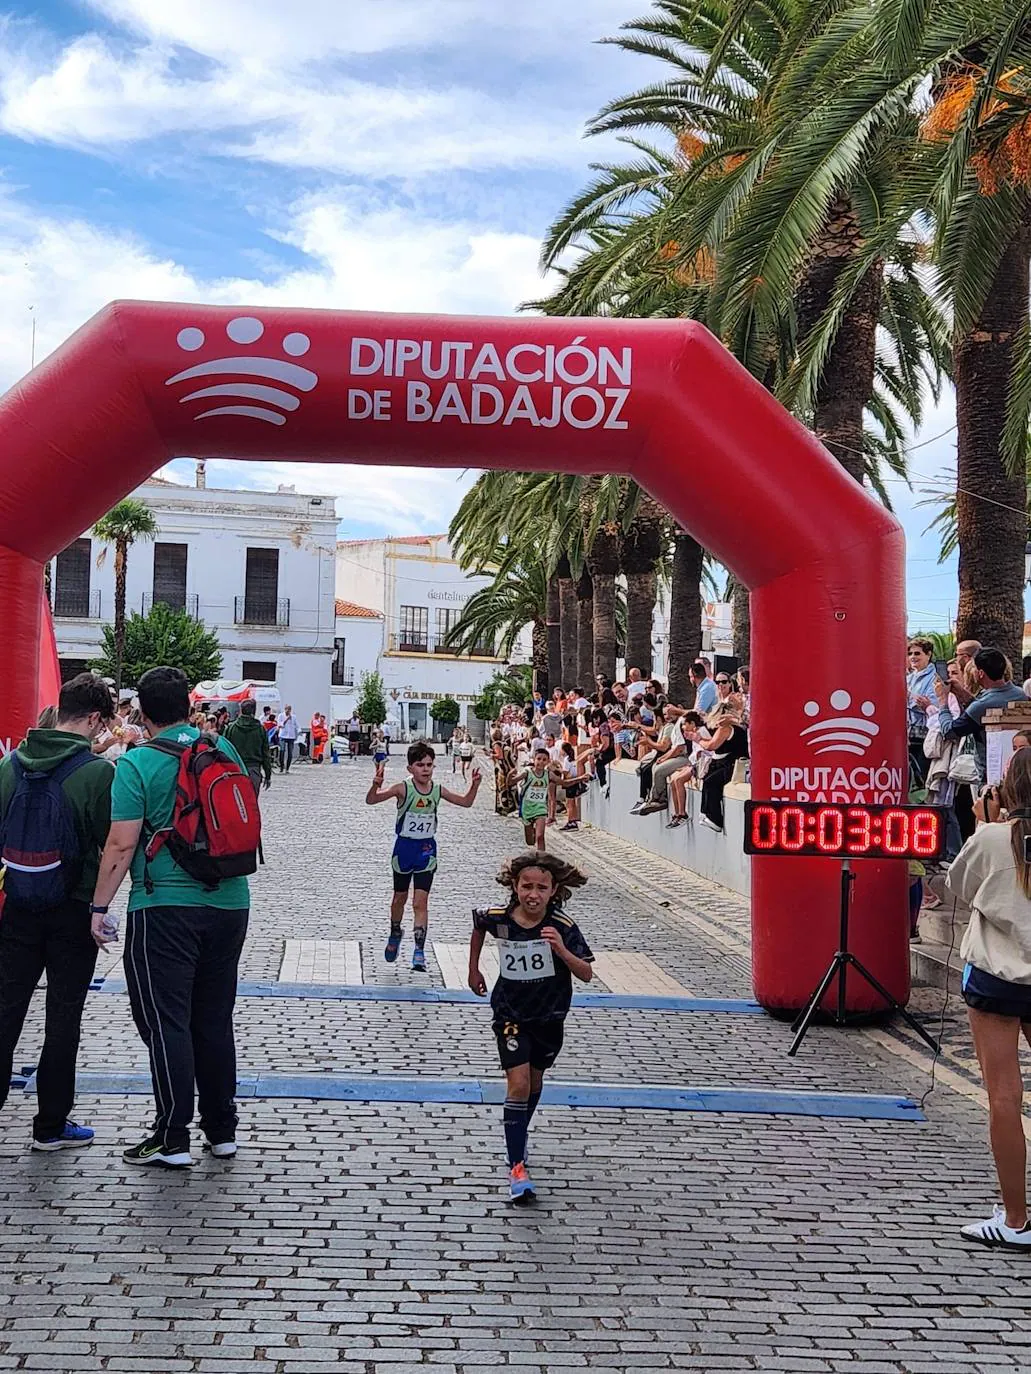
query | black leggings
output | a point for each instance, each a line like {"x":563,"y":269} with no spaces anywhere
{"x":602,"y":762}
{"x":720,"y":773}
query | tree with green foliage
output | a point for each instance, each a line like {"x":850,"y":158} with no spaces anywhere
{"x":512,"y":686}
{"x":124,"y":525}
{"x":372,"y":701}
{"x":164,"y":637}
{"x":446,"y":711}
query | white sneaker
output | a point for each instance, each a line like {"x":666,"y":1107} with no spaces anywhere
{"x":995,"y":1232}
{"x":225,"y":1149}
{"x":711,"y":825}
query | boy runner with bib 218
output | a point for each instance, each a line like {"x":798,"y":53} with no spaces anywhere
{"x":414,"y":860}
{"x":540,"y":949}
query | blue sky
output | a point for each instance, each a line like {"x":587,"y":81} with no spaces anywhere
{"x":364,"y":154}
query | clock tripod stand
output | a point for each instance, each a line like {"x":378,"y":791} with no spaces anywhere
{"x":842,"y":961}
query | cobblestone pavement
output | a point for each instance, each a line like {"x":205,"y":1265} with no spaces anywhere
{"x":374,"y":1237}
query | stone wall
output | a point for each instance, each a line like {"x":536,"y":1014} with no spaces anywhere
{"x":720,"y":858}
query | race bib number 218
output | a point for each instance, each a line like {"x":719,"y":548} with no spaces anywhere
{"x":525,"y":961}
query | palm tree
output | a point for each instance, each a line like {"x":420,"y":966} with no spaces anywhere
{"x":495,"y":614}
{"x":568,"y":612}
{"x":685,"y":616}
{"x":123,"y":525}
{"x":585,"y":631}
{"x":645,"y":541}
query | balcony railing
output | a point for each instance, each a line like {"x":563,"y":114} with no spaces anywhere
{"x":428,"y":644}
{"x":344,"y":678}
{"x":270,"y":615}
{"x":77,"y":605}
{"x":190,"y":604}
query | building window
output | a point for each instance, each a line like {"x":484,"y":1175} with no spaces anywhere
{"x":415,"y":627}
{"x":72,"y":667}
{"x":170,"y":575}
{"x":261,"y":590}
{"x":255,"y":671}
{"x":417,"y":720}
{"x":447,"y":619}
{"x":337,"y":672}
{"x":71,"y":581}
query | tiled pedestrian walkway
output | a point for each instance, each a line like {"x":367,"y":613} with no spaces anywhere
{"x":372,"y":1235}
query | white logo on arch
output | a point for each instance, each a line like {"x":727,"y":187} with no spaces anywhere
{"x":272,"y":404}
{"x":845,"y":732}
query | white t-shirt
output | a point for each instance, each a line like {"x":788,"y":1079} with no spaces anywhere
{"x":636,"y":689}
{"x":288,"y":727}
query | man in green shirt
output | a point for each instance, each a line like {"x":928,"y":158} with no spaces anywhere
{"x":55,"y":940}
{"x":182,"y":940}
{"x":250,"y":740}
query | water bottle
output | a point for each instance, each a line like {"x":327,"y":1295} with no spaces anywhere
{"x":109,"y":927}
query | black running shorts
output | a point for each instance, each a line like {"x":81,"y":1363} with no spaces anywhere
{"x":422,"y":881}
{"x":984,"y":992}
{"x":536,"y":1043}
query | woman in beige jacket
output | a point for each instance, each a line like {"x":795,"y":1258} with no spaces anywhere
{"x":992,"y":875}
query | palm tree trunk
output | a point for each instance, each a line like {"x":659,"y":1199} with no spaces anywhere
{"x":846,"y":381}
{"x":121,"y":558}
{"x":540,"y":656}
{"x":741,"y":620}
{"x":568,"y":613}
{"x":604,"y":625}
{"x":554,"y":635}
{"x":990,"y":503}
{"x":685,"y":617}
{"x":585,"y":633}
{"x":640,"y":611}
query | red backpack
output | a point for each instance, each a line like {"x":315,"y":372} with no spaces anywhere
{"x":216,"y":826}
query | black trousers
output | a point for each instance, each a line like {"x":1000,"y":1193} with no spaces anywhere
{"x":286,"y":753}
{"x":181,"y":967}
{"x":719,"y":774}
{"x":57,"y":942}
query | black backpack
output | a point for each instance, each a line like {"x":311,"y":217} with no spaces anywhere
{"x":39,"y":841}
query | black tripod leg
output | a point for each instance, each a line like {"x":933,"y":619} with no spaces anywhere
{"x":803,"y":1021}
{"x":892,"y":1002}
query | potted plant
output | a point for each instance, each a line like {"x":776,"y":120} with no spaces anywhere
{"x":445,"y":715}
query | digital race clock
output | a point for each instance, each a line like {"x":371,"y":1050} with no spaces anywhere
{"x":844,"y":832}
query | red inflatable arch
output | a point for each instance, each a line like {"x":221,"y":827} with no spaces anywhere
{"x":660,"y":401}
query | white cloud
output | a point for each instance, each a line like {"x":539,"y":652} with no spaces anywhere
{"x":280,"y":90}
{"x":61,"y":272}
{"x":256,"y":30}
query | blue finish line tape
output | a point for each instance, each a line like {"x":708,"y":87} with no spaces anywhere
{"x":335,"y":1087}
{"x":366,"y":992}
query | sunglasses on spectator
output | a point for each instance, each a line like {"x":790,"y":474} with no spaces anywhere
{"x":723,"y":681}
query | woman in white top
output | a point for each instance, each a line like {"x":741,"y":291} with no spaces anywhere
{"x":992,"y":875}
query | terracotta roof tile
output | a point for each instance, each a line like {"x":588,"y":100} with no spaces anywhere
{"x":351,"y":608}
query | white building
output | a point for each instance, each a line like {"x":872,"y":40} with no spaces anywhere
{"x":256,"y":567}
{"x":409,"y":591}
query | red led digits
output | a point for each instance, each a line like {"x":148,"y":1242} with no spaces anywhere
{"x":925,"y":833}
{"x":895,"y":836}
{"x":844,"y":832}
{"x":792,"y":829}
{"x":859,"y":830}
{"x":764,"y":827}
{"x":830,"y":829}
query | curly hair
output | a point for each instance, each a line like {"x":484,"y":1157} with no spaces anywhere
{"x":564,"y":875}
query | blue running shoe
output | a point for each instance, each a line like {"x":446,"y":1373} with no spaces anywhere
{"x":418,"y":961}
{"x":520,"y":1186}
{"x":71,"y":1137}
{"x":393,"y":947}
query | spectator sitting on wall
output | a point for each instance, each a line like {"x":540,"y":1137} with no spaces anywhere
{"x":672,"y":758}
{"x":635,"y":686}
{"x":728,"y":744}
{"x":696,"y":735}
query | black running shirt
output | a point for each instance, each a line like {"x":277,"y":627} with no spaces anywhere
{"x":544,"y":998}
